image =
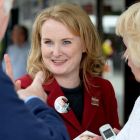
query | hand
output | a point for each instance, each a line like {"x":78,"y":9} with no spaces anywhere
{"x":97,"y":138}
{"x":35,"y":89}
{"x":101,"y":138}
{"x":9,"y":72}
{"x":116,"y":131}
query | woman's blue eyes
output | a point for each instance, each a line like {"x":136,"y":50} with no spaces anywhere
{"x":65,"y":42}
{"x":48,"y":42}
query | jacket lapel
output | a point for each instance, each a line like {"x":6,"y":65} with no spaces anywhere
{"x":91,"y":104}
{"x":54,"y":91}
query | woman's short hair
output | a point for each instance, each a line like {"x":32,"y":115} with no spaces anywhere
{"x":128,"y":27}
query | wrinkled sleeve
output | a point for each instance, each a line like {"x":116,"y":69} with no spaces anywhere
{"x":32,"y":121}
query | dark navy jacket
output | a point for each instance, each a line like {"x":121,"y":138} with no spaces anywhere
{"x":34,"y":121}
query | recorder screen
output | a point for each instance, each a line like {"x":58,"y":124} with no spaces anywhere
{"x":108,"y":133}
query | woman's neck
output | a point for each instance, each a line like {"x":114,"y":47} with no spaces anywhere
{"x":68,"y":81}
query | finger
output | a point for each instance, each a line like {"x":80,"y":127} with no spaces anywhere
{"x":8,"y":66}
{"x":18,"y":85}
{"x":97,"y":138}
{"x":39,"y":79}
{"x":116,"y":130}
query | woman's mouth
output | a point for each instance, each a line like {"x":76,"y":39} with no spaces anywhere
{"x":59,"y":62}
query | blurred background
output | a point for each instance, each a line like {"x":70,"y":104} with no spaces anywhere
{"x":104,"y":14}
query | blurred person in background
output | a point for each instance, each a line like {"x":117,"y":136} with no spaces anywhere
{"x":128,"y":27}
{"x":67,"y":48}
{"x":18,"y":51}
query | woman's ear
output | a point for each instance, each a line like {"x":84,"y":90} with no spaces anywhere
{"x":84,"y":49}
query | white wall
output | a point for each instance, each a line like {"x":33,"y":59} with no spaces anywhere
{"x":117,"y":5}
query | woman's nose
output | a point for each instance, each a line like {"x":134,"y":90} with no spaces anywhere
{"x":56,"y":50}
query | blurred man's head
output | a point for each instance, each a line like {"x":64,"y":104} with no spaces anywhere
{"x":19,"y":35}
{"x":4,"y":15}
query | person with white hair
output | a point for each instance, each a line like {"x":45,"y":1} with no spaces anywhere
{"x":128,"y":27}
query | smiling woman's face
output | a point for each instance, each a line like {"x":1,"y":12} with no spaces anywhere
{"x":61,"y":50}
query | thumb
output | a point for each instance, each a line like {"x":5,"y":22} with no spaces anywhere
{"x":18,"y":85}
{"x":116,"y":131}
{"x":39,"y":79}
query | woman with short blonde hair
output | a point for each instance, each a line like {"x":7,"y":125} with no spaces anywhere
{"x":128,"y":27}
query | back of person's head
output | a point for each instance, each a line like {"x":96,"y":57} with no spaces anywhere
{"x":128,"y":27}
{"x":19,"y":34}
{"x":79,"y":23}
